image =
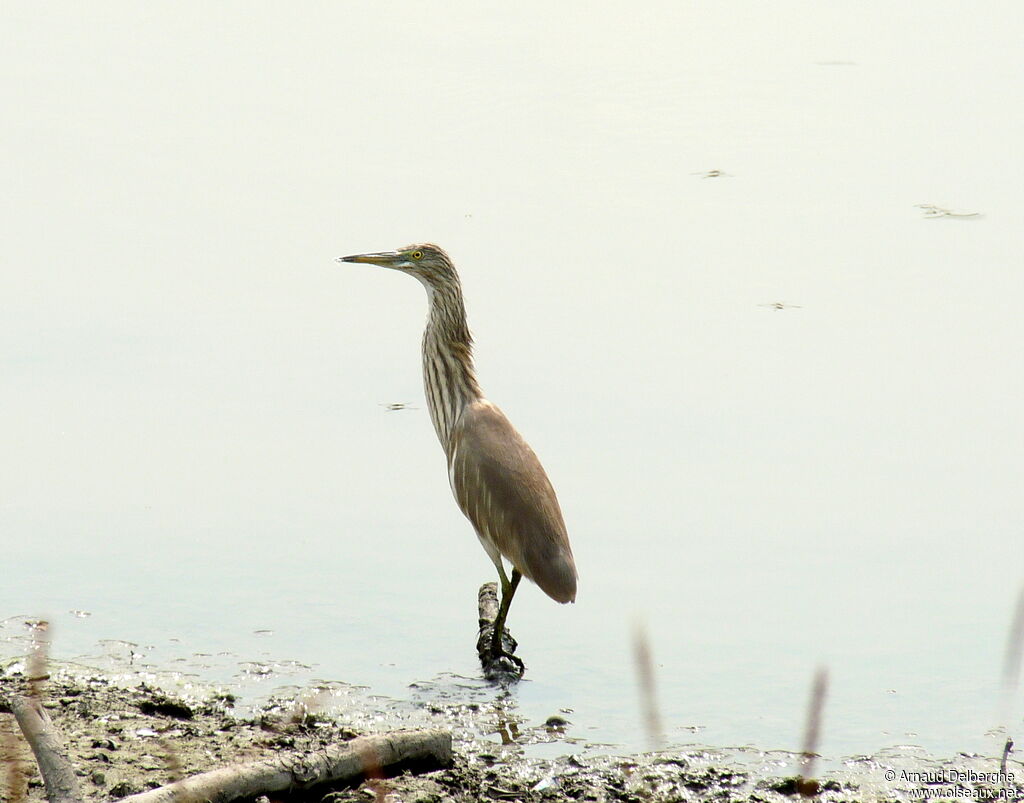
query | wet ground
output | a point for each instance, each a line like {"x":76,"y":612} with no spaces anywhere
{"x":131,"y":733}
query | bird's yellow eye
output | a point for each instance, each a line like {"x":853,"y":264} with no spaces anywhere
{"x":417,"y":255}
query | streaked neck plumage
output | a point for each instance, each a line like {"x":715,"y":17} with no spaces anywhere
{"x":448,"y":377}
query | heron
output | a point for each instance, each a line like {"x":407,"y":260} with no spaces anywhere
{"x":498,"y":482}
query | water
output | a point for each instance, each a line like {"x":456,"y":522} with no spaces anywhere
{"x":197,"y":447}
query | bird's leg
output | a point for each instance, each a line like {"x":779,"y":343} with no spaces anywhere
{"x":508,"y":590}
{"x":501,"y":574}
{"x":496,"y":652}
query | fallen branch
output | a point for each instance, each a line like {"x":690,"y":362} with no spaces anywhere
{"x":54,"y":766}
{"x":366,"y":756}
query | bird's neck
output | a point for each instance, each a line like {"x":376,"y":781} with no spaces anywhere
{"x":449,"y":380}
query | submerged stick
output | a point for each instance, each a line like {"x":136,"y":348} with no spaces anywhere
{"x":55,"y":767}
{"x":353,"y":761}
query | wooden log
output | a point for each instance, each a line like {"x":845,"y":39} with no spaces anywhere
{"x":502,"y":669}
{"x":54,"y":765}
{"x":487,"y":604}
{"x":364,"y":757}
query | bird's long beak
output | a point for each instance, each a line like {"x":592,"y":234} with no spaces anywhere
{"x":386,"y":259}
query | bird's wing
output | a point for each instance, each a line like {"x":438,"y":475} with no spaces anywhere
{"x":503,"y":490}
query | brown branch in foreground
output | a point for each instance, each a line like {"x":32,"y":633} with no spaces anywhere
{"x":1014,"y":647}
{"x":807,"y":786}
{"x":38,"y":659}
{"x":57,"y":771}
{"x":14,"y":785}
{"x":644,"y":661}
{"x":352,"y":761}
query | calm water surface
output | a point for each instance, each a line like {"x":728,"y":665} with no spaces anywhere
{"x":197,"y":448}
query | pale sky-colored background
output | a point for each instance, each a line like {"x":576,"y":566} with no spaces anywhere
{"x":191,"y":388}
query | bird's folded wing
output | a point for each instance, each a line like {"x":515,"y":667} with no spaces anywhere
{"x":503,"y":490}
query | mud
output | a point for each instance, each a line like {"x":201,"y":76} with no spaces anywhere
{"x":127,"y":735}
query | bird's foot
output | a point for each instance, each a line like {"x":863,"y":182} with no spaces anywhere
{"x":504,"y":667}
{"x":499,"y":661}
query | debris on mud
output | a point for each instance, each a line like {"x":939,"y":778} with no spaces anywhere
{"x":123,"y":738}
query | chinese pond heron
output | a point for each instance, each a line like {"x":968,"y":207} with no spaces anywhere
{"x":498,"y":482}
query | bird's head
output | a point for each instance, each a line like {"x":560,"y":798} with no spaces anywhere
{"x":428,"y":263}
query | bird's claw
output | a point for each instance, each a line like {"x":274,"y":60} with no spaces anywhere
{"x":504,"y":666}
{"x":499,"y":661}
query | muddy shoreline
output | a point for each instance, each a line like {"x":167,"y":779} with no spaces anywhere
{"x":126,"y":735}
